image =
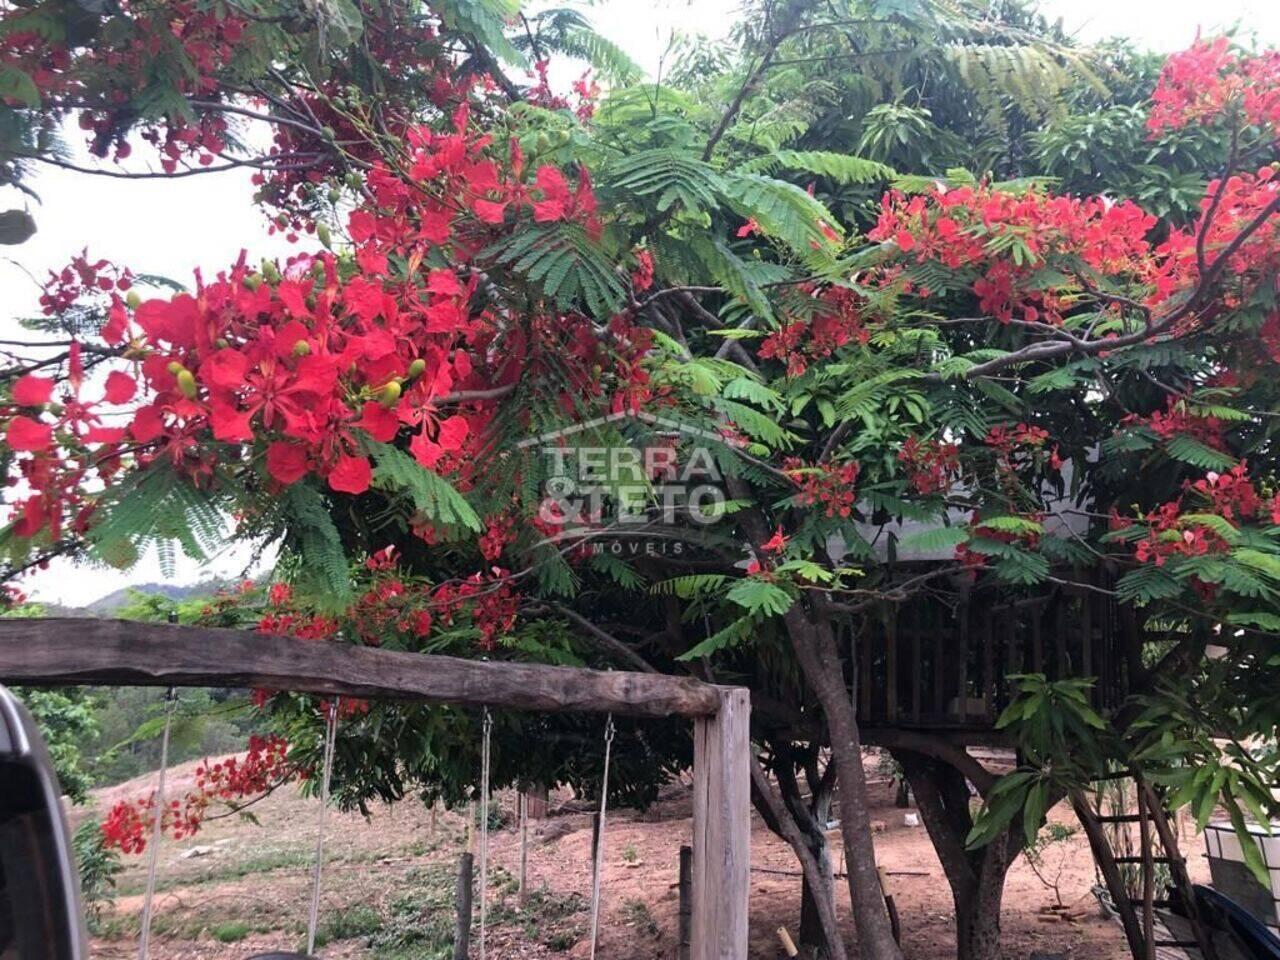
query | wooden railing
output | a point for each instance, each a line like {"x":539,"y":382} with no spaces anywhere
{"x":932,"y":664}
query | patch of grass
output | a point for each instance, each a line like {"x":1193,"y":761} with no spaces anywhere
{"x":503,"y":880}
{"x":420,"y":922}
{"x":232,"y":931}
{"x":349,"y":923}
{"x":562,"y":940}
{"x":550,"y":905}
{"x":630,"y":854}
{"x":635,"y":914}
{"x":236,"y":868}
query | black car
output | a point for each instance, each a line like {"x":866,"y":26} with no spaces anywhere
{"x":40,"y":915}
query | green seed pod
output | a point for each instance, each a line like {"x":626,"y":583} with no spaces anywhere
{"x":133,"y":300}
{"x":390,"y":394}
{"x":270,"y":271}
{"x":175,"y":367}
{"x":322,"y":231}
{"x":301,"y":348}
{"x":416,"y":368}
{"x":187,"y":384}
{"x":252,"y":281}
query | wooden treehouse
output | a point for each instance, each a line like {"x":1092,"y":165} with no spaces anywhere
{"x":943,"y":663}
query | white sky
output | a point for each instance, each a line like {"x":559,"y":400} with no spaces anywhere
{"x":169,"y":227}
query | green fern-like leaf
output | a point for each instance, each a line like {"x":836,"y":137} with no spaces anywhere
{"x":737,"y":632}
{"x":937,"y":539}
{"x":783,"y":211}
{"x":691,"y":587}
{"x":672,"y":176}
{"x":842,"y":168}
{"x":484,"y":20}
{"x":323,"y":571}
{"x":760,"y":597}
{"x":741,"y":278}
{"x":432,"y":495}
{"x":1192,"y":451}
{"x":565,"y":263}
{"x":1147,"y":583}
{"x":156,"y":507}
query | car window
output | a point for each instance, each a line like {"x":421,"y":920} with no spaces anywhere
{"x":33,"y":904}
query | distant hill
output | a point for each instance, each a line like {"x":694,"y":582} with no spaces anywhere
{"x":106,"y":606}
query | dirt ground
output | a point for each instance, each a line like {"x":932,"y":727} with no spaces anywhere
{"x":239,"y":887}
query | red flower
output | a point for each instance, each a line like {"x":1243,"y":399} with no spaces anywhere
{"x":350,"y":474}
{"x":379,"y":422}
{"x":555,"y":195}
{"x":775,"y":544}
{"x":32,"y":391}
{"x":489,"y":211}
{"x":29,"y":435}
{"x":287,"y":462}
{"x":120,"y":387}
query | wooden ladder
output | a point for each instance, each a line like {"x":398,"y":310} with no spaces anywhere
{"x":1137,"y":914}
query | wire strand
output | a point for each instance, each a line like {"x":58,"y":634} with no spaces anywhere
{"x":484,"y":827}
{"x":330,"y":738}
{"x":157,"y":808}
{"x":598,"y":866}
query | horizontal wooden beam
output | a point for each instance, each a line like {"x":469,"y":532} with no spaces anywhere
{"x":60,"y":651}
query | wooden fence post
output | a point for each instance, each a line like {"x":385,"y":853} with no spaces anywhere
{"x":686,"y":903}
{"x":722,"y":829}
{"x":462,"y":895}
{"x":523,"y":803}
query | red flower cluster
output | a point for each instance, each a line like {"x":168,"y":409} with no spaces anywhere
{"x":1009,"y":237}
{"x":832,"y":485}
{"x":974,"y":560}
{"x":1177,"y":420}
{"x":1211,"y":79}
{"x":499,"y":531}
{"x":303,"y":368}
{"x":642,"y":275}
{"x":490,"y":602}
{"x":128,"y":824}
{"x":122,"y":61}
{"x":932,"y":466}
{"x":1015,"y":447}
{"x":1230,"y":495}
{"x":836,"y":321}
{"x":584,"y":88}
{"x":1269,"y":334}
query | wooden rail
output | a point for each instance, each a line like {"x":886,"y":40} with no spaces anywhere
{"x":68,"y":651}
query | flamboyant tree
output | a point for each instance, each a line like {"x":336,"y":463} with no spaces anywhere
{"x":504,"y":281}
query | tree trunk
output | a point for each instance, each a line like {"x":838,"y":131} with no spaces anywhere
{"x":815,"y":817}
{"x":811,"y":933}
{"x":820,"y":660}
{"x":815,"y":648}
{"x":976,"y":877}
{"x":779,"y":819}
{"x":978,"y":911}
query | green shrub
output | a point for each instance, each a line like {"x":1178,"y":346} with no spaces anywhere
{"x":98,"y":868}
{"x":349,"y":923}
{"x":232,"y":931}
